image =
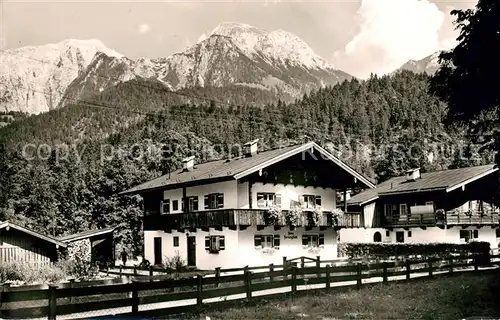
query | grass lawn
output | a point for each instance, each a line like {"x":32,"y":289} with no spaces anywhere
{"x":444,"y":298}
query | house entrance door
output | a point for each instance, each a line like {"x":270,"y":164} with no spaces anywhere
{"x":191,"y":249}
{"x":157,"y":249}
{"x":400,"y":236}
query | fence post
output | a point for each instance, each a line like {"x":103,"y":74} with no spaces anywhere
{"x":135,"y":270}
{"x":2,"y":296}
{"x":430,"y":267}
{"x":217,"y":276}
{"x":294,"y":280}
{"x":302,"y":263}
{"x":71,"y":282}
{"x":476,"y":264}
{"x":318,"y":264}
{"x":271,"y":270}
{"x":52,"y":302}
{"x":120,"y":272}
{"x":135,"y":299}
{"x":328,"y":276}
{"x":408,"y":270}
{"x":359,"y":276}
{"x":248,"y":283}
{"x":384,"y":274}
{"x":199,"y":290}
{"x":284,"y":262}
{"x":151,"y":273}
{"x":450,"y":264}
{"x":107,"y":270}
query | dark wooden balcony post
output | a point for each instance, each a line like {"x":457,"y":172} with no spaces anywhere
{"x":345,"y":200}
{"x":184,"y":200}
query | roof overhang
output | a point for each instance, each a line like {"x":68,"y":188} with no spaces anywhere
{"x":177,"y":185}
{"x":303,"y":148}
{"x":89,"y":235}
{"x":391,"y":193}
{"x":7,"y":224}
{"x":464,"y":183}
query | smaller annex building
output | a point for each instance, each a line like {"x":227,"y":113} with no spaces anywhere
{"x":452,"y":206}
{"x":98,"y":244}
{"x":20,"y":244}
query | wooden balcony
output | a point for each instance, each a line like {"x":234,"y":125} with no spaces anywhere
{"x":450,"y":218}
{"x":241,"y":217}
{"x":461,"y":218}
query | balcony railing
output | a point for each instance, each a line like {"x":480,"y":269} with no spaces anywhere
{"x":448,"y":218}
{"x":242,"y":217}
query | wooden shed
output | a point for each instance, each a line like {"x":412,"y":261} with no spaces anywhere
{"x":101,"y":243}
{"x":21,"y":244}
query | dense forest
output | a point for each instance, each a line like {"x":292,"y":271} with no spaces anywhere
{"x":60,"y":172}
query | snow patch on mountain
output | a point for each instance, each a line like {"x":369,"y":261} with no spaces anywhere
{"x":33,"y":79}
{"x":275,"y":46}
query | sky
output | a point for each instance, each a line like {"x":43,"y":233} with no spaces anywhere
{"x":357,"y":36}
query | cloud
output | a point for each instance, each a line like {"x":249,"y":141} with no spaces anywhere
{"x":391,"y":32}
{"x":143,"y":28}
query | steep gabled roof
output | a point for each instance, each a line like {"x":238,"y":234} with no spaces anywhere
{"x":7,"y":224}
{"x":85,"y":234}
{"x":445,"y":180}
{"x":237,"y":169}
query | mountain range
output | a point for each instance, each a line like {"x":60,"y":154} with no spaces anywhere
{"x":429,"y":64}
{"x":37,"y":79}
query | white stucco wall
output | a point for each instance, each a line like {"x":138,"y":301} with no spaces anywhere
{"x":418,"y":235}
{"x":239,"y":247}
{"x":243,"y":195}
{"x":290,"y":247}
{"x":229,"y":188}
{"x":368,"y":214}
{"x":290,"y":192}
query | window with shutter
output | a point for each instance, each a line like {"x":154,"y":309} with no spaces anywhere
{"x":321,"y":240}
{"x":318,"y":201}
{"x":165,"y":206}
{"x":476,"y":234}
{"x":305,"y":240}
{"x":261,"y":202}
{"x":222,"y":243}
{"x":207,"y":243}
{"x":220,"y":200}
{"x":276,"y":241}
{"x":257,"y":240}
{"x":176,"y":241}
{"x":206,"y":201}
{"x":195,"y":204}
{"x":175,"y":205}
{"x":277,"y":200}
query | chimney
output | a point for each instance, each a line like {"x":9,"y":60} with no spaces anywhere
{"x":250,"y":148}
{"x":413,"y":174}
{"x":188,"y":164}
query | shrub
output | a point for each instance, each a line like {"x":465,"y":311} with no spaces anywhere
{"x":79,"y":269}
{"x":377,"y":251}
{"x":25,"y":273}
{"x":175,"y":263}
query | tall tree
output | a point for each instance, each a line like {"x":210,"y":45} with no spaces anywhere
{"x":469,"y":75}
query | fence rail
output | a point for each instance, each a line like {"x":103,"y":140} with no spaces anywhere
{"x":150,"y":296}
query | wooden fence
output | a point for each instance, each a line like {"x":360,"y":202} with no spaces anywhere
{"x":152,"y":296}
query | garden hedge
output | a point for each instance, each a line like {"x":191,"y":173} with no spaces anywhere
{"x":382,"y":251}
